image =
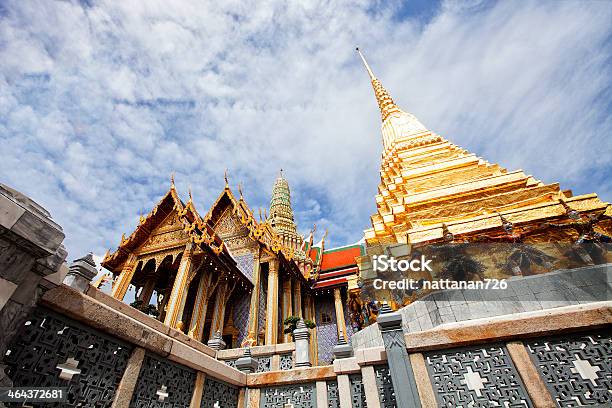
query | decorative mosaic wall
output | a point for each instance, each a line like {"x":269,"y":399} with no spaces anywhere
{"x":240,"y":315}
{"x":358,"y":398}
{"x":219,"y":395}
{"x":349,"y":322}
{"x":385,"y":386}
{"x":245,"y":264}
{"x":576,"y":368}
{"x":49,"y":344}
{"x":333,"y":401}
{"x":472,"y":377}
{"x":300,"y":395}
{"x":261,"y":315}
{"x":162,"y":384}
{"x":327,"y":334}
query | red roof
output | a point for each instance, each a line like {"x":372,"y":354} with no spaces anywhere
{"x":341,"y":257}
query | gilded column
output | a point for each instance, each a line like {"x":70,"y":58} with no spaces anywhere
{"x":219,"y":309}
{"x":179,"y":289}
{"x":310,"y":315}
{"x":297,"y":299}
{"x":340,"y":322}
{"x":198,"y":316}
{"x":272,"y":305}
{"x":287,"y":307}
{"x":125,"y":278}
{"x":254,"y":308}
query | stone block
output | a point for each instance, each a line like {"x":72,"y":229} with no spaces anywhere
{"x":441,"y":300}
{"x":420,"y":308}
{"x":409,"y":313}
{"x":435,"y":318}
{"x":461,"y":312}
{"x":425,"y":322}
{"x":10,"y":212}
{"x":414,"y":326}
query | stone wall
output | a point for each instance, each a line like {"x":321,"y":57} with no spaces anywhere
{"x":524,"y":294}
{"x":32,"y":260}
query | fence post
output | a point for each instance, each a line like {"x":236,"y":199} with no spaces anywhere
{"x":404,"y":384}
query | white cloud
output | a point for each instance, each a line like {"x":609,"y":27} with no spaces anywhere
{"x":99,"y":104}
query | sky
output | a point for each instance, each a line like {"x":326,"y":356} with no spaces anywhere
{"x":100,"y":101}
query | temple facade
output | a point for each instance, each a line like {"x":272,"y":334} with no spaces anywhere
{"x":230,"y":279}
{"x":231,"y":310}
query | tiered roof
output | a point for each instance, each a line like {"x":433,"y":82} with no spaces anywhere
{"x":426,"y":182}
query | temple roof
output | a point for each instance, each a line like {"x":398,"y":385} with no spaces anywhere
{"x":194,"y":227}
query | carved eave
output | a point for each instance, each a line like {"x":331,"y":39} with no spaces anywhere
{"x":262,"y":232}
{"x":170,"y":201}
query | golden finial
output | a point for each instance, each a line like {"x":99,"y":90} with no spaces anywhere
{"x":325,"y":235}
{"x":172,"y":180}
{"x":385,"y":102}
{"x":260,"y":218}
{"x":372,"y":77}
{"x":240,"y":190}
{"x":225,"y":177}
{"x":190,"y":196}
{"x":142,"y":218}
{"x":123,"y":238}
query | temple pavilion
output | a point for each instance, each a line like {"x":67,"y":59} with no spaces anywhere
{"x":228,"y":275}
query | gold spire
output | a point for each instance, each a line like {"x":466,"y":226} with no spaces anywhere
{"x":385,"y":102}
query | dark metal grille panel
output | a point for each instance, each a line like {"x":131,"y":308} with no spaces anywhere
{"x":475,"y":376}
{"x":332,"y":394}
{"x":263,"y":364}
{"x":159,"y":376}
{"x":576,"y":368}
{"x":385,"y":386}
{"x":300,"y":395}
{"x":47,"y":340}
{"x":358,"y":397}
{"x":286,"y":361}
{"x":231,"y":363}
{"x":219,"y":394}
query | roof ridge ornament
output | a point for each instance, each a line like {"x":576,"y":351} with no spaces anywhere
{"x":225,"y":177}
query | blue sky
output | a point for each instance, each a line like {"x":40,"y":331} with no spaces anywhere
{"x":101,"y":100}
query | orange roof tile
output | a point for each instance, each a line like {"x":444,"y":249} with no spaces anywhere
{"x":340,"y":257}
